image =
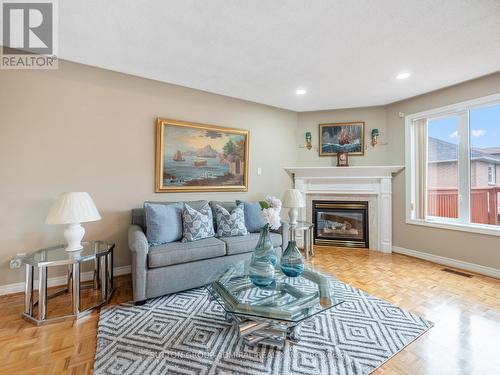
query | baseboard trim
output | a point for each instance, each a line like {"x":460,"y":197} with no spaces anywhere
{"x":59,"y":280}
{"x":471,"y":267}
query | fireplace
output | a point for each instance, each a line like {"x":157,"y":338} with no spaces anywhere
{"x":340,"y":223}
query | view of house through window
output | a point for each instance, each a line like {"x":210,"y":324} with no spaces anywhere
{"x":463,"y":160}
{"x":484,"y":124}
{"x":442,"y":167}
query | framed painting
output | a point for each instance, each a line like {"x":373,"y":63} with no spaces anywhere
{"x":342,"y":137}
{"x":194,"y":157}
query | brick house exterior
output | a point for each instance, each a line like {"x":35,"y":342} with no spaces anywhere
{"x":442,"y":182}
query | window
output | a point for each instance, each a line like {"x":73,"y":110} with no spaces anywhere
{"x":492,"y":174}
{"x":452,"y":158}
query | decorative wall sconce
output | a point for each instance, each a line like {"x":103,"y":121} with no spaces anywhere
{"x":375,"y":134}
{"x":308,"y":140}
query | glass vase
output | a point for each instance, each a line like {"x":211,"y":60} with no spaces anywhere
{"x":261,"y":272}
{"x":265,"y":249}
{"x":292,"y":262}
{"x":261,"y":268}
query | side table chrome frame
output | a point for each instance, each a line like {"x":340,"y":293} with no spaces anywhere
{"x":103,"y":278}
{"x":307,"y":238}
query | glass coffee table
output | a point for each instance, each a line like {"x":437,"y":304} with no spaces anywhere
{"x":270,"y":315}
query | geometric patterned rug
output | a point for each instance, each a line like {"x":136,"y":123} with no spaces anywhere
{"x":186,"y":333}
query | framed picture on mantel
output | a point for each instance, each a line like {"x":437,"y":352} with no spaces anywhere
{"x":194,"y":157}
{"x":342,"y":137}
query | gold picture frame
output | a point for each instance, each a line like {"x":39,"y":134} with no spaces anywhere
{"x":342,"y":137}
{"x":192,"y":157}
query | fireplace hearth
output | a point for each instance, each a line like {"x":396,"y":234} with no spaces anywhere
{"x":340,"y":223}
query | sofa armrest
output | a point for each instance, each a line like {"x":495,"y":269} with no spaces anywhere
{"x":284,"y":230}
{"x":139,"y":247}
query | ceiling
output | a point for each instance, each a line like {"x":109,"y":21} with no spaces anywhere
{"x":345,"y":53}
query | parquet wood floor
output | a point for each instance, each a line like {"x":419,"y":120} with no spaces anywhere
{"x":466,"y":313}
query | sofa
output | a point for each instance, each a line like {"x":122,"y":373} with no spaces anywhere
{"x":175,"y":266}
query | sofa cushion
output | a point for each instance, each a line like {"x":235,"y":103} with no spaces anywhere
{"x":163,"y":222}
{"x":184,"y":252}
{"x":230,"y":223}
{"x":197,"y":224}
{"x":254,"y":220}
{"x":245,"y":244}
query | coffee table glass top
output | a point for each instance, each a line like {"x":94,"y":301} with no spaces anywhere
{"x":57,"y":255}
{"x":290,"y":299}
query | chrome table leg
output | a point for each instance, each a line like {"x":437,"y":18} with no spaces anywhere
{"x":103,"y":277}
{"x":42,"y":293}
{"x":28,"y":291}
{"x":75,"y":292}
{"x":305,"y":236}
{"x":109,"y":279}
{"x":311,"y":240}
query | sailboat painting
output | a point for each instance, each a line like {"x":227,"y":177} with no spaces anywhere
{"x":342,"y":137}
{"x":194,"y":157}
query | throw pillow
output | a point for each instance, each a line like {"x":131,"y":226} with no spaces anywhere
{"x":163,"y":222}
{"x":197,"y":224}
{"x":227,"y":205}
{"x":253,"y":216}
{"x":230,"y":224}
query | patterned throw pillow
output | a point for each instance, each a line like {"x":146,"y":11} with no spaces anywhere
{"x":197,"y":225}
{"x":230,"y":224}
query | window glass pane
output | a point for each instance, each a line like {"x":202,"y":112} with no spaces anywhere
{"x":442,"y":167}
{"x":484,"y":132}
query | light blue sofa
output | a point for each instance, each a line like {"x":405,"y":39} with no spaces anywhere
{"x":176,"y":266}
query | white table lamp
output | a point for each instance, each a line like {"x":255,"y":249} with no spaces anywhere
{"x":73,"y":208}
{"x":293,"y":200}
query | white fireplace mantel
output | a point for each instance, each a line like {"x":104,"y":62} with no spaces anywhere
{"x":359,"y":183}
{"x":372,"y":171}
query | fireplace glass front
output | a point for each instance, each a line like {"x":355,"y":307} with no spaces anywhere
{"x":340,"y":223}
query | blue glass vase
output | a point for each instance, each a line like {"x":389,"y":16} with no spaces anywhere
{"x":261,"y":268}
{"x":261,"y":273}
{"x":292,"y":262}
{"x":265,"y":249}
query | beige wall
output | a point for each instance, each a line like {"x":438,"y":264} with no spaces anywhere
{"x":374,"y":117}
{"x":86,"y":129}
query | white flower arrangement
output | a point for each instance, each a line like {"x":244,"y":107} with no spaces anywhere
{"x":271,"y":209}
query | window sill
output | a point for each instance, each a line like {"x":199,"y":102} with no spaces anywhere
{"x":472,"y":228}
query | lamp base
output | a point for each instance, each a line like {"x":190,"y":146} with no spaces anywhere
{"x":293,"y":213}
{"x":73,"y":235}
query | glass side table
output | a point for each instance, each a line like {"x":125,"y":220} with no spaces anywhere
{"x":98,"y":252}
{"x":307,"y":236}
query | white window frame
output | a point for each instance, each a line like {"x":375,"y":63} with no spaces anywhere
{"x":493,"y":168}
{"x":463,"y":222}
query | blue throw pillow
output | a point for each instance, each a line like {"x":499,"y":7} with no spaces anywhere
{"x":230,"y":224}
{"x":163,"y":222}
{"x":197,"y":224}
{"x":253,"y":216}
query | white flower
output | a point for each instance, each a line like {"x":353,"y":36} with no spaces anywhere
{"x":274,"y":202}
{"x":272,"y":217}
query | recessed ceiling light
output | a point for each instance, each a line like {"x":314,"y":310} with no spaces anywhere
{"x":403,"y":75}
{"x":301,"y":91}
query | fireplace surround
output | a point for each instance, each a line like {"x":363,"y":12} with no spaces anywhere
{"x":371,"y":184}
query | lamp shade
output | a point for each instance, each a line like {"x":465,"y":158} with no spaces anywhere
{"x":293,"y":198}
{"x":72,"y":208}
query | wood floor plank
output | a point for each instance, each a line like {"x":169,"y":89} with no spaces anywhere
{"x":466,"y":313}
